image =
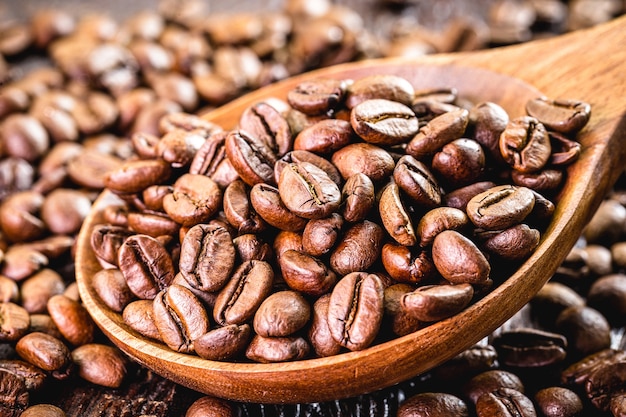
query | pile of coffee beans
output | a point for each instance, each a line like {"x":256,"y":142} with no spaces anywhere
{"x":75,"y":90}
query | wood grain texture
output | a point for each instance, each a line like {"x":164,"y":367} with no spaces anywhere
{"x":587,"y":65}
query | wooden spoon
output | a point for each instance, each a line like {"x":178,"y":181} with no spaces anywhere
{"x":589,"y":65}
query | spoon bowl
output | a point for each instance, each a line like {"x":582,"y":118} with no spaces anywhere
{"x":508,"y":76}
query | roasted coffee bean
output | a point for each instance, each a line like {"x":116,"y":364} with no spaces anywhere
{"x":64,"y":210}
{"x":308,"y":191}
{"x":356,"y":309}
{"x":578,"y":372}
{"x":364,"y":158}
{"x":21,"y":262}
{"x":91,"y":168}
{"x":461,"y":196}
{"x":525,"y":144}
{"x":551,"y":299}
{"x":72,"y":319}
{"x":19,"y":216}
{"x":605,"y":382}
{"x":387,"y":87}
{"x":525,"y":347}
{"x":152,"y":224}
{"x":358,"y":197}
{"x":43,"y":410}
{"x":244,"y":292}
{"x":277,"y":349}
{"x":239,"y":211}
{"x":14,"y":322}
{"x":23,"y":136}
{"x":505,"y":402}
{"x":14,"y":395}
{"x":395,"y":317}
{"x":417,"y":181}
{"x":565,"y":116}
{"x":515,"y":243}
{"x":266,"y":201}
{"x":383,"y":122}
{"x":395,"y":216}
{"x":433,"y":404}
{"x":106,"y":241}
{"x":281,"y":314}
{"x":298,"y":156}
{"x":460,"y":162}
{"x":38,"y":288}
{"x":252,"y":158}
{"x":437,"y":133}
{"x":318,"y":96}
{"x":179,"y":147}
{"x":195,"y":199}
{"x":586,"y":329}
{"x":320,"y":235}
{"x":436,"y":302}
{"x":319,"y":333}
{"x":210,"y":406}
{"x":284,"y":241}
{"x":180,"y":317}
{"x":100,"y":364}
{"x":488,"y":121}
{"x":252,"y":247}
{"x":207,"y":257}
{"x":618,"y":405}
{"x":558,"y":402}
{"x":325,"y":136}
{"x":44,"y":351}
{"x":9,"y":290}
{"x":607,"y":222}
{"x":358,"y":249}
{"x":111,"y":287}
{"x":139,"y":316}
{"x":405,"y":266}
{"x":305,"y":273}
{"x":458,"y":259}
{"x":564,"y":150}
{"x":223,"y":343}
{"x":437,"y":220}
{"x":474,"y":360}
{"x":33,"y":377}
{"x":146,"y":265}
{"x":266,"y":124}
{"x":500,"y":207}
{"x":608,"y":296}
{"x":489,"y":381}
{"x":136,"y":175}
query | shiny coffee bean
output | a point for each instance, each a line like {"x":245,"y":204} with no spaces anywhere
{"x":267,"y":203}
{"x":100,"y":364}
{"x":500,"y":207}
{"x":525,"y":144}
{"x":436,"y":302}
{"x":406,"y":265}
{"x":358,"y":249}
{"x":437,"y":133}
{"x":387,"y":87}
{"x":277,"y":349}
{"x":505,"y":402}
{"x":281,"y":314}
{"x":395,"y":216}
{"x":139,"y":316}
{"x":358,"y":197}
{"x":195,"y":198}
{"x":306,"y":273}
{"x":223,"y":343}
{"x":417,"y":181}
{"x":319,"y":333}
{"x":435,"y":404}
{"x":467,"y":264}
{"x":566,"y":116}
{"x":383,"y":122}
{"x":524,"y":348}
{"x":72,"y":319}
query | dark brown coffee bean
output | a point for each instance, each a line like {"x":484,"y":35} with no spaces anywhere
{"x":325,"y":136}
{"x":417,"y":181}
{"x":317,"y":96}
{"x":558,"y":402}
{"x":100,"y":364}
{"x":388,"y":87}
{"x":44,"y":351}
{"x":525,"y":144}
{"x":33,"y":377}
{"x":106,"y":240}
{"x":526,"y":347}
{"x":72,"y":319}
{"x":111,"y":287}
{"x":238,"y":209}
{"x":139,"y":316}
{"x":211,"y":160}
{"x":364,"y":158}
{"x":14,"y":322}
{"x":277,"y":349}
{"x":566,"y":116}
{"x":298,"y":156}
{"x":179,"y":147}
{"x":358,"y":197}
{"x":395,"y":317}
{"x":180,"y":317}
{"x":437,"y":220}
{"x":605,"y":382}
{"x":461,"y":196}
{"x":433,"y":404}
{"x":210,"y":406}
{"x":207,"y":257}
{"x":383,"y":122}
{"x":249,"y":285}
{"x":578,"y":372}
{"x":305,"y":273}
{"x":136,"y":175}
{"x":308,"y":191}
{"x":564,"y":150}
{"x":476,"y":359}
{"x":281,"y":314}
{"x":146,"y":265}
{"x":395,"y":216}
{"x":356,"y":309}
{"x":320,"y":235}
{"x":267,"y":203}
{"x":194,"y":200}
{"x":505,"y":402}
{"x":551,"y":299}
{"x":252,"y":247}
{"x":460,"y":162}
{"x":152,"y":224}
{"x":266,"y":124}
{"x":515,"y":243}
{"x":319,"y":333}
{"x":437,"y":133}
{"x":435,"y":302}
{"x":500,"y":207}
{"x":91,"y":168}
{"x":543,"y":181}
{"x":586,"y":329}
{"x":458,"y":259}
{"x":252,"y":158}
{"x":14,"y":396}
{"x":608,"y":296}
{"x":405,"y":266}
{"x":490,"y":381}
{"x":358,"y":249}
{"x":38,"y":288}
{"x":489,"y":120}
{"x":223,"y":343}
{"x":16,"y":175}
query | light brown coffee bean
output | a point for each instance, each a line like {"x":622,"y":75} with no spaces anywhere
{"x":319,"y":333}
{"x":281,"y":314}
{"x":437,"y":133}
{"x":267,"y":203}
{"x":435,"y":302}
{"x":44,"y":351}
{"x":388,"y":87}
{"x":194,"y":200}
{"x":139,"y":316}
{"x":223,"y":343}
{"x":111,"y":287}
{"x":525,"y":144}
{"x":358,"y":197}
{"x":14,"y":322}
{"x":417,"y":181}
{"x":100,"y":364}
{"x":395,"y":216}
{"x":277,"y":349}
{"x":458,"y":259}
{"x":566,"y":116}
{"x":500,"y":207}
{"x":437,"y":220}
{"x":72,"y":319}
{"x":364,"y":158}
{"x":37,"y":290}
{"x":210,"y":407}
{"x":43,"y":410}
{"x":383,"y":122}
{"x":306,"y":273}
